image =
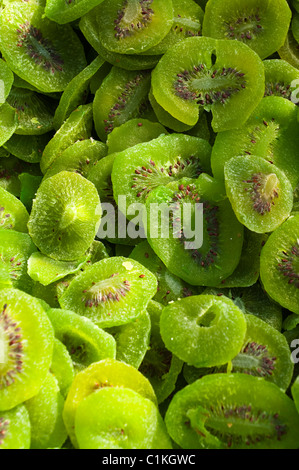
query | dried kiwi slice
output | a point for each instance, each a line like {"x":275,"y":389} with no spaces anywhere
{"x":203,"y":330}
{"x":28,"y":148}
{"x":6,"y":81}
{"x":111,"y":292}
{"x":13,"y":214}
{"x":78,"y":126}
{"x":38,"y":50}
{"x":65,"y":216}
{"x":8,"y":122}
{"x":15,"y":428}
{"x":260,"y":193}
{"x":234,"y":411}
{"x":263,"y":26}
{"x":119,"y":418}
{"x":63,"y":12}
{"x":35,"y":111}
{"x":279,"y":264}
{"x":270,"y":132}
{"x":15,"y":250}
{"x":139,"y":169}
{"x":289,"y":50}
{"x":62,"y":367}
{"x":99,"y":375}
{"x":221,"y":76}
{"x":119,"y":99}
{"x":279,"y":78}
{"x":133,"y":26}
{"x":45,"y":414}
{"x":210,"y":258}
{"x":26,"y":336}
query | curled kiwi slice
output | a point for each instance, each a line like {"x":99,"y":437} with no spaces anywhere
{"x":65,"y":216}
{"x":201,"y":257}
{"x":233,"y":411}
{"x":111,"y":292}
{"x":26,"y":338}
{"x":104,"y":374}
{"x":45,"y":414}
{"x":63,"y":12}
{"x":203,"y":330}
{"x":262,"y":26}
{"x":119,"y":418}
{"x":15,"y":428}
{"x":8,"y":122}
{"x":221,"y":76}
{"x":40,"y":51}
{"x":133,"y":26}
{"x":270,"y":132}
{"x":119,"y":99}
{"x":13,"y":214}
{"x":280,"y":78}
{"x":280,"y":264}
{"x":260,"y":193}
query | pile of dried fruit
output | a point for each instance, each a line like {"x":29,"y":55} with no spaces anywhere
{"x":113,"y":335}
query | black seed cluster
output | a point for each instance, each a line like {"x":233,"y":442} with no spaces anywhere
{"x":244,"y":28}
{"x":262,"y":202}
{"x":124,"y":30}
{"x":287,"y":265}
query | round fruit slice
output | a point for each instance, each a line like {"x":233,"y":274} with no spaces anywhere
{"x":62,"y":367}
{"x":221,"y":76}
{"x":26,"y":343}
{"x":270,"y":132}
{"x":8,"y":122}
{"x":15,"y":428}
{"x":134,"y":26}
{"x":234,"y":411}
{"x":203,"y":330}
{"x":197,"y":236}
{"x":63,"y":12}
{"x":111,"y":292}
{"x":6,"y":81}
{"x":281,"y":79}
{"x":38,"y":50}
{"x":280,"y":264}
{"x":65,"y":216}
{"x":119,"y":418}
{"x":13,"y":214}
{"x":28,"y":148}
{"x":263,"y":26}
{"x":107,"y":373}
{"x":289,"y":50}
{"x":260,"y":193}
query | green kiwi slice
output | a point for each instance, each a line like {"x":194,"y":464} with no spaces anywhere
{"x":72,"y":205}
{"x":15,"y":250}
{"x":79,"y":157}
{"x":260,"y":193}
{"x":232,"y":411}
{"x":203,"y":330}
{"x":6,"y":81}
{"x":13,"y":214}
{"x":62,"y":367}
{"x":139,"y":169}
{"x":204,"y":262}
{"x":34,"y":111}
{"x":270,"y":132}
{"x":40,"y":51}
{"x":85,"y":342}
{"x":165,"y":118}
{"x":75,"y":92}
{"x":29,"y":186}
{"x":132,"y":339}
{"x":45,"y":414}
{"x":279,"y":264}
{"x":280,"y":78}
{"x":221,"y":76}
{"x":159,"y":364}
{"x":119,"y":418}
{"x":78,"y":126}
{"x":15,"y":428}
{"x":295,"y":392}
{"x":119,"y":99}
{"x":104,"y":374}
{"x":261,"y":26}
{"x":28,"y":148}
{"x":111,"y":292}
{"x":170,"y":287}
{"x":10,"y":169}
{"x":134,"y":26}
{"x":26,"y":336}
{"x":133,"y":132}
{"x":46,"y":270}
{"x":89,"y":26}
{"x":65,"y":12}
{"x":289,"y":50}
{"x":8,"y":122}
